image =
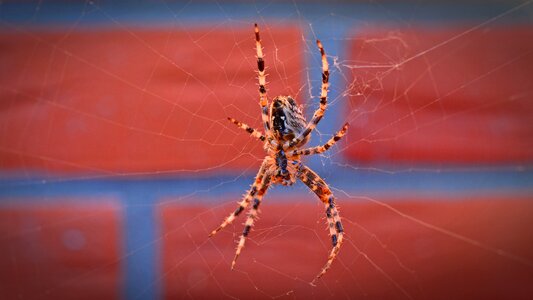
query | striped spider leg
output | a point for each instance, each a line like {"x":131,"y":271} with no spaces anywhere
{"x":336,"y":231}
{"x":255,"y":195}
{"x":253,"y":132}
{"x":256,"y":186}
{"x":263,"y":100}
{"x":252,"y":215}
{"x":261,"y":77}
{"x":326,"y":146}
{"x":319,"y":113}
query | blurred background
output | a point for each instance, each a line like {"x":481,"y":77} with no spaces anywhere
{"x":116,"y":158}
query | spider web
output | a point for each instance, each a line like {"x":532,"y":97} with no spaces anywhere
{"x":117,"y":159}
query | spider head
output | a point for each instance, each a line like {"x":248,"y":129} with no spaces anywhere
{"x":286,"y":118}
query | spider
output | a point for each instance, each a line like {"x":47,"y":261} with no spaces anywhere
{"x":286,"y":132}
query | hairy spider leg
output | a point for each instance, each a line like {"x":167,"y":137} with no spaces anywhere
{"x":336,"y":231}
{"x":319,"y":113}
{"x":325,"y":147}
{"x":256,"y":186}
{"x":252,"y":216}
{"x":253,"y":132}
{"x":261,"y":76}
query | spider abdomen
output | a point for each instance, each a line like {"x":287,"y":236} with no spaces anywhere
{"x":286,"y":119}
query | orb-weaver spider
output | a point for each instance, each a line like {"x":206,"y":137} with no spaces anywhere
{"x":286,"y":132}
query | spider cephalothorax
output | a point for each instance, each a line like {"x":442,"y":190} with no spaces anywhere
{"x":286,"y":131}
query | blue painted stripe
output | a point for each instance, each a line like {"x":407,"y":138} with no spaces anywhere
{"x":143,"y":262}
{"x":150,"y":13}
{"x":212,"y":189}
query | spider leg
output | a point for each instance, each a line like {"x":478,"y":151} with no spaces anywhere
{"x":325,"y":147}
{"x":321,"y":189}
{"x":253,"y":132}
{"x":256,"y":186}
{"x":263,"y":100}
{"x":252,"y":216}
{"x":319,"y":113}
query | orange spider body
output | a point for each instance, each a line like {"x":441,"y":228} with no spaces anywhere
{"x":286,"y":131}
{"x":286,"y":123}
